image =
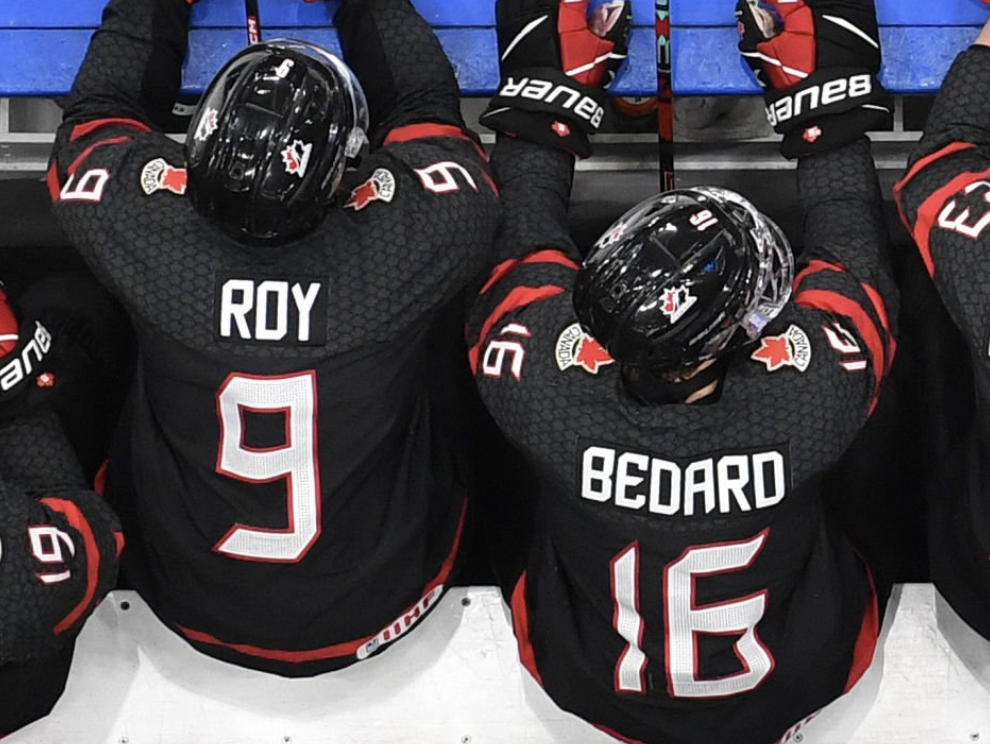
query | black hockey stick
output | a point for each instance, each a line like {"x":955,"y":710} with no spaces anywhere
{"x":665,"y":101}
{"x":253,"y":23}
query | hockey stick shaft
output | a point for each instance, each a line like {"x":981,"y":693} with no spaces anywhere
{"x":665,"y":101}
{"x":253,"y":21}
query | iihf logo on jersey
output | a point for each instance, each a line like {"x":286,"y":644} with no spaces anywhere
{"x":158,"y":175}
{"x":380,"y":187}
{"x":676,"y":301}
{"x":575,"y":348}
{"x":792,"y":349}
{"x":296,"y":157}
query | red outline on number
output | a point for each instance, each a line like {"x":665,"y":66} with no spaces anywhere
{"x":289,"y":495}
{"x":288,"y":436}
{"x":694,"y":640}
{"x":634,"y":547}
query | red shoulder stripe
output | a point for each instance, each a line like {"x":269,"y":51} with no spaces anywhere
{"x":549,"y":255}
{"x":412,"y":132}
{"x":928,"y":160}
{"x":53,"y":182}
{"x":77,"y":519}
{"x":81,"y":130}
{"x":876,"y":300}
{"x":930,"y":208}
{"x":814,"y":267}
{"x":52,"y":179}
{"x":833,"y":302}
{"x":881,"y":310}
{"x":517,"y":298}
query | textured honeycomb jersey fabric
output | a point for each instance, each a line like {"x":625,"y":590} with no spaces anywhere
{"x":943,"y":201}
{"x":294,"y":493}
{"x":686,"y":579}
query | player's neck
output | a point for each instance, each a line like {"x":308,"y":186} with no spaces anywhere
{"x":690,"y":386}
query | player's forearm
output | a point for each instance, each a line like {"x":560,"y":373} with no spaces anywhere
{"x":843,"y":206}
{"x":36,"y":455}
{"x":961,"y":112}
{"x":405,"y":74}
{"x":134,"y":63}
{"x":534,"y":182}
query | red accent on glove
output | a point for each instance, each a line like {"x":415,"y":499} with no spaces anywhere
{"x":794,"y":47}
{"x":583,"y":53}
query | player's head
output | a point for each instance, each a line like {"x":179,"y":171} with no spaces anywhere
{"x":683,"y":277}
{"x":268,"y":143}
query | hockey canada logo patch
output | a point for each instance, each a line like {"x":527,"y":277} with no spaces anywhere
{"x":675,"y":302}
{"x":158,"y":175}
{"x":575,"y":348}
{"x":207,"y":126}
{"x":380,"y":187}
{"x":792,"y":349}
{"x":296,"y":157}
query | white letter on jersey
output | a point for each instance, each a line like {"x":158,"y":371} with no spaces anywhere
{"x":280,"y":291}
{"x":596,"y":473}
{"x":236,"y":301}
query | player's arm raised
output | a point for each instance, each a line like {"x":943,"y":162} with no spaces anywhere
{"x":798,"y":51}
{"x":944,"y":197}
{"x":547,"y":43}
{"x":405,"y":73}
{"x":132,"y":70}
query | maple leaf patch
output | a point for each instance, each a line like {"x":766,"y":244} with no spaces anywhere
{"x":575,"y":348}
{"x":790,"y":349}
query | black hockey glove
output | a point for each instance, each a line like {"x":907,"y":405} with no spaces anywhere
{"x":818,"y":62}
{"x":557,"y":58}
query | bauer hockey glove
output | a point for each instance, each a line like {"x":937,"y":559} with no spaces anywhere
{"x":817,"y":61}
{"x":556,"y":58}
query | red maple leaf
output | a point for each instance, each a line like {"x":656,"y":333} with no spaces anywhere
{"x":591,"y":355}
{"x":774,"y":352}
{"x":669,"y":301}
{"x":174,"y":179}
{"x":362,"y":196}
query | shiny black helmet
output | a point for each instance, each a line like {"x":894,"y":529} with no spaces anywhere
{"x":683,"y":277}
{"x":268,"y":143}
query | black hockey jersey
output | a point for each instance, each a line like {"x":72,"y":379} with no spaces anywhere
{"x":685,"y":580}
{"x":58,"y":541}
{"x":944,"y":199}
{"x":295,"y":499}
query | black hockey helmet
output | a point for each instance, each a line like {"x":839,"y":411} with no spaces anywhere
{"x":683,"y":277}
{"x":268,"y":143}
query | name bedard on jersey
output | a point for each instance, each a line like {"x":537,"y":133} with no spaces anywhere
{"x":723,"y":483}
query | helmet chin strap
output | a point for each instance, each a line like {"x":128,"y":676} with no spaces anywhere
{"x":652,"y":388}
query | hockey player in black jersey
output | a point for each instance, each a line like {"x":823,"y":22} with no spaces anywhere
{"x":287,"y":465}
{"x":59,"y":541}
{"x":943,"y":199}
{"x":679,"y":395}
